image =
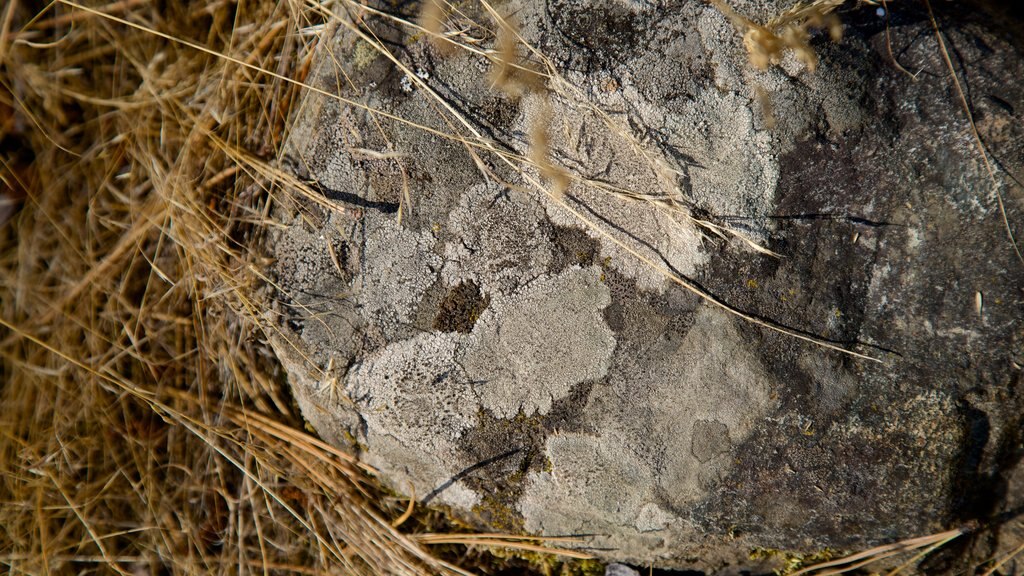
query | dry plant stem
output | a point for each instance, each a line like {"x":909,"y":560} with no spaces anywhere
{"x":209,"y":436}
{"x":73,"y":17}
{"x":472,"y":540}
{"x":432,"y":19}
{"x":96,"y":539}
{"x":5,"y":29}
{"x":540,"y":151}
{"x":920,"y":555}
{"x":1002,"y":561}
{"x":881,"y":552}
{"x":555,"y":197}
{"x":766,"y":44}
{"x":507,"y":541}
{"x":888,"y":44}
{"x":313,"y":445}
{"x":449,"y":39}
{"x":318,"y":450}
{"x":409,"y":510}
{"x":489,"y":146}
{"x":106,"y":470}
{"x":974,"y":129}
{"x":430,"y":538}
{"x":858,"y":565}
{"x":275,"y":75}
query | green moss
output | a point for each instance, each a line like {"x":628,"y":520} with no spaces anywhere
{"x":353,"y":443}
{"x":549,"y":466}
{"x":461,"y":308}
{"x":364,"y":55}
{"x":792,"y":561}
{"x":591,"y":567}
{"x":549,"y":564}
{"x":498,"y":513}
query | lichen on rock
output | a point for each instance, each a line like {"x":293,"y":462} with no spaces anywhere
{"x":533,"y":347}
{"x":533,"y":358}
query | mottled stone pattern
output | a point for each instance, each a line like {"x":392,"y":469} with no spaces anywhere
{"x":495,"y":354}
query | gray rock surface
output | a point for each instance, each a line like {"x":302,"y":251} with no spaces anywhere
{"x":525,"y":358}
{"x":620,"y":570}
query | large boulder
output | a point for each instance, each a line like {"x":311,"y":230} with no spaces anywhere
{"x":616,"y":359}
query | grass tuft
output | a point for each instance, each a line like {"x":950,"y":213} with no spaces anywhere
{"x":145,"y":426}
{"x":789,"y":32}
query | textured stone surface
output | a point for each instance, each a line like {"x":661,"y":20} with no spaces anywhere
{"x":504,"y":358}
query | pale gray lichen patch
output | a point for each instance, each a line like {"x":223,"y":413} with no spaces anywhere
{"x":664,"y":238}
{"x":710,"y":376}
{"x":597,"y":484}
{"x":693,"y":139}
{"x":529,"y":349}
{"x":736,"y":169}
{"x":504,"y":241}
{"x":653,"y":518}
{"x":669,"y":246}
{"x":415,"y":403}
{"x":701,"y":394}
{"x":416,"y":471}
{"x":415,"y":391}
{"x":403,"y":268}
{"x":303,"y":257}
{"x":731,"y":167}
{"x":597,"y":473}
{"x":709,"y":439}
{"x":704,"y":126}
{"x":311,"y":267}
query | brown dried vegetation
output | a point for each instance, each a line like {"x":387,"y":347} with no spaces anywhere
{"x":144,"y":423}
{"x":790,"y":31}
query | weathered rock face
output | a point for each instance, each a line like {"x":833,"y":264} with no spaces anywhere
{"x":526,"y":358}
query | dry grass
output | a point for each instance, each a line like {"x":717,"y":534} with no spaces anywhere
{"x":789,"y":32}
{"x":144,"y":424}
{"x":535,"y":74}
{"x":916,"y":548}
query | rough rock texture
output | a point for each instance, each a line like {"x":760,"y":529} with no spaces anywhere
{"x":504,"y":357}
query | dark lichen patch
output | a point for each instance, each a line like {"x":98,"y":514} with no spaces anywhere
{"x":501,"y":483}
{"x":858,"y":459}
{"x":500,"y":111}
{"x":567,"y":414}
{"x":574,"y":248}
{"x":636,"y":320}
{"x":461,"y":308}
{"x":834,"y":214}
{"x":606,"y":33}
{"x":388,"y":178}
{"x":837,"y":212}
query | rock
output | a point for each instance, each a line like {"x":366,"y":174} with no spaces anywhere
{"x":537,"y":362}
{"x":619,"y":570}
